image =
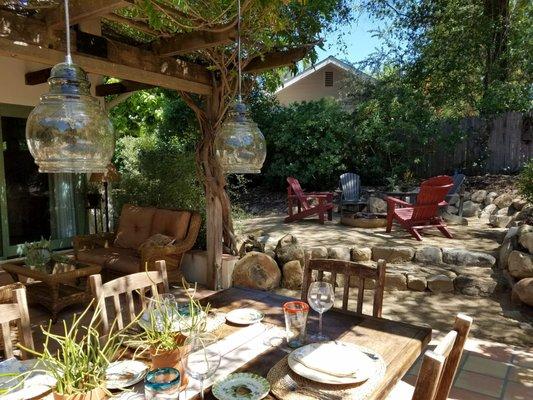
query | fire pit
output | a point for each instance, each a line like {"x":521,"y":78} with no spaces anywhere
{"x":365,"y":220}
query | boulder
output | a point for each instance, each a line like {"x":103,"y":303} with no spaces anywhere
{"x":452,"y":210}
{"x":500,"y":221}
{"x":257,"y":271}
{"x":339,"y":253}
{"x":489,"y":210}
{"x":519,"y":203}
{"x":504,"y":211}
{"x":393,"y":254}
{"x":525,"y":213}
{"x":452,"y":219}
{"x":520,"y":264}
{"x":467,"y":257}
{"x":292,"y":275}
{"x":490,"y":198}
{"x":470,"y":209}
{"x":429,"y":255}
{"x":416,"y":283}
{"x":454,"y":199}
{"x":288,"y":249}
{"x":361,"y":254}
{"x":318,"y":252}
{"x":479,"y":196}
{"x":473,"y":285}
{"x":504,"y":200}
{"x":395,"y":281}
{"x":440,"y":284}
{"x":270,"y":253}
{"x":526,"y":241}
{"x":524,"y":291}
{"x":508,"y":245}
{"x":377,"y":205}
{"x":467,"y":195}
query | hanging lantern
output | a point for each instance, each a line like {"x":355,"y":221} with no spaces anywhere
{"x":240,"y":146}
{"x":68,"y":131}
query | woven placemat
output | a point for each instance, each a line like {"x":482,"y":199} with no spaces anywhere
{"x":288,"y":385}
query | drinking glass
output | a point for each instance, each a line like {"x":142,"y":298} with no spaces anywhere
{"x":321,"y":298}
{"x":202,"y":359}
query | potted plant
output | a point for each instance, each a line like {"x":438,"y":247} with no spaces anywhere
{"x":40,"y":256}
{"x":78,"y":358}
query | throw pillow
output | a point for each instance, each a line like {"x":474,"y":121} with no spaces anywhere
{"x":157,"y":240}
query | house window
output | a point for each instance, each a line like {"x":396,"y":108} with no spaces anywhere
{"x":328,"y":78}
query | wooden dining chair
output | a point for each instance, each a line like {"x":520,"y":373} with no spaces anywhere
{"x":439,"y":366}
{"x":348,"y":269}
{"x":154,"y":281}
{"x":17,"y":311}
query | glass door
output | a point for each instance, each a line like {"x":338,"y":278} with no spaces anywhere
{"x":34,"y":205}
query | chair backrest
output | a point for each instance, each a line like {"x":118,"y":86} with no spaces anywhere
{"x":458,"y":180}
{"x":17,"y":311}
{"x":350,"y":184}
{"x":439,"y":366}
{"x":432,"y":192}
{"x":141,"y":282}
{"x":349,"y":269}
{"x":296,"y":190}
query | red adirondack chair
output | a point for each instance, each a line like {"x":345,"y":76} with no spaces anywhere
{"x":424,"y":213}
{"x":297,"y":197}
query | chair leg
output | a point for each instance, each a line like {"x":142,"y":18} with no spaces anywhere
{"x":445,"y":231}
{"x":321,"y":217}
{"x":415,"y":233}
{"x":390,"y":217}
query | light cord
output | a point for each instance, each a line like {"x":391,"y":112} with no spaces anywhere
{"x":238,"y":46}
{"x":68,"y":58}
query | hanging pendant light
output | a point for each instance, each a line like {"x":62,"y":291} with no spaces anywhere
{"x":240,"y":146}
{"x":68,"y":131}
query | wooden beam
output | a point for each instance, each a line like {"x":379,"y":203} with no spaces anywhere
{"x":123,"y":61}
{"x":81,"y":10}
{"x":120,"y":87}
{"x":191,"y":41}
{"x":275,"y":59}
{"x":37,"y":77}
{"x":138,"y":25}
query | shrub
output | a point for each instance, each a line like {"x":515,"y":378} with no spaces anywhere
{"x":525,"y":181}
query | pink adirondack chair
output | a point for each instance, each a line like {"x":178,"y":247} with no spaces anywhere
{"x":297,"y":197}
{"x":424,"y":213}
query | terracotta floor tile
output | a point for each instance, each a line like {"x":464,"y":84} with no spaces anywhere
{"x":517,"y":391}
{"x":524,"y":359}
{"x":479,"y":383}
{"x":486,"y":366}
{"x":463,"y":394}
{"x":521,"y":374}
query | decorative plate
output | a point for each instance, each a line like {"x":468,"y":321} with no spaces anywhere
{"x":123,"y":374}
{"x":244,"y":316}
{"x":24,"y":379}
{"x":363,"y":362}
{"x":241,"y":386}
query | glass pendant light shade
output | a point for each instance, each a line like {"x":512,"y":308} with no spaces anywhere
{"x":240,"y":146}
{"x":68,"y":131}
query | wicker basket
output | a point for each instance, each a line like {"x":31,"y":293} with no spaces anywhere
{"x":6,"y":296}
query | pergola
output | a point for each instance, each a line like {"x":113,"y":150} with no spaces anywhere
{"x":130,"y":49}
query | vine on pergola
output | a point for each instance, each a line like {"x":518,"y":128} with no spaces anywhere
{"x":267,"y":27}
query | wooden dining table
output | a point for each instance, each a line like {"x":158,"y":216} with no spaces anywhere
{"x":397,"y":342}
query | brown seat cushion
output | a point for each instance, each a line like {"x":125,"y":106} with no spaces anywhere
{"x":134,"y":226}
{"x":171,"y":223}
{"x":126,"y":261}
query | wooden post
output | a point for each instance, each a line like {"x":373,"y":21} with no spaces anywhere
{"x":214,"y":239}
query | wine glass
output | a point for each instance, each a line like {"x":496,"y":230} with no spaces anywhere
{"x":321,"y":298}
{"x":202,"y":358}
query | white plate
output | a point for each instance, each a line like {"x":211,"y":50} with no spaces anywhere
{"x":256,"y":387}
{"x":35,"y":385}
{"x":363,"y":372}
{"x":115,"y":370}
{"x":244,"y":316}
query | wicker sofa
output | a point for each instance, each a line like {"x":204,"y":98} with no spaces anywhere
{"x":130,"y":250}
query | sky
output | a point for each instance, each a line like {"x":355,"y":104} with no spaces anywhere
{"x":357,"y":40}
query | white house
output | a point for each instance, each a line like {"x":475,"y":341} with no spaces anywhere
{"x":324,"y":79}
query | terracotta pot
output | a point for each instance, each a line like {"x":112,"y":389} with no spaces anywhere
{"x":170,"y":359}
{"x":95,"y":394}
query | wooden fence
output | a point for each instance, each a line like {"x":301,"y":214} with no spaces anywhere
{"x":500,"y":145}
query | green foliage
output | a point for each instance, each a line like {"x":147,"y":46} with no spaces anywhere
{"x":525,"y":182}
{"x":305,"y":140}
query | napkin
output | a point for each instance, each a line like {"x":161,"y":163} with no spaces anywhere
{"x":332,"y":358}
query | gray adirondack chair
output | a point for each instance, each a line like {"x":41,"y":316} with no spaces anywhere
{"x":350,"y":185}
{"x":457,"y":189}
